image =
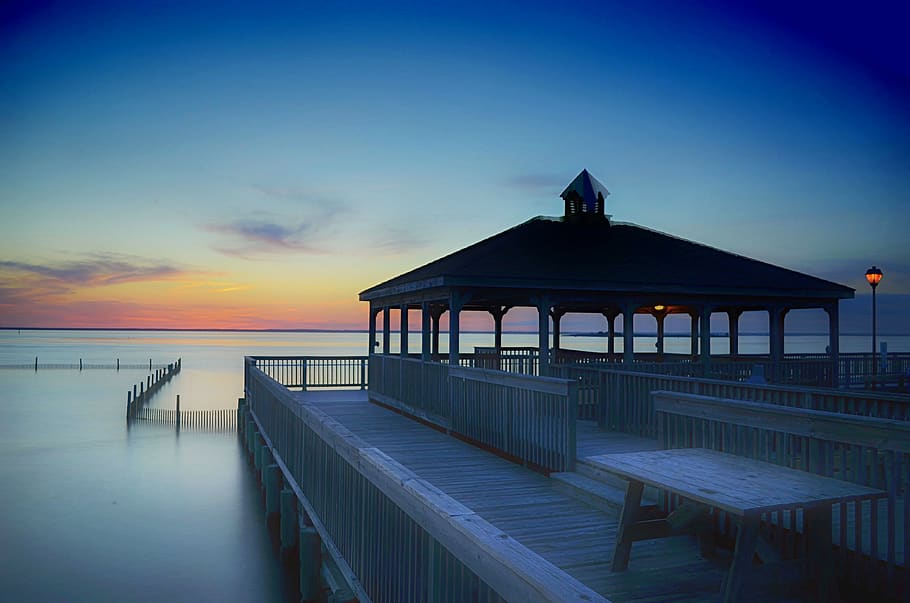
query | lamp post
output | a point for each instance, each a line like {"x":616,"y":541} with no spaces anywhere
{"x":873,"y":276}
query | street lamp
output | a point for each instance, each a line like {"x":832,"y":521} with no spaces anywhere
{"x":874,"y":276}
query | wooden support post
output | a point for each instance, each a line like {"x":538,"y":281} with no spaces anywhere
{"x":628,"y":334}
{"x":371,"y":349}
{"x":733,"y":330}
{"x":386,"y":330}
{"x":272,"y":488}
{"x":266,"y":458}
{"x":288,"y":529}
{"x":425,"y":332}
{"x":660,"y":316}
{"x":36,"y":364}
{"x":821,"y":554}
{"x":250,"y":432}
{"x":178,"y":412}
{"x":705,"y":336}
{"x":543,"y":336}
{"x":258,"y":446}
{"x":403,"y":331}
{"x":630,"y":510}
{"x":310,"y":564}
{"x":693,"y":335}
{"x":456,"y":303}
{"x":834,"y":343}
{"x":80,"y":364}
{"x":611,"y":333}
{"x":741,"y":567}
{"x":557,"y":318}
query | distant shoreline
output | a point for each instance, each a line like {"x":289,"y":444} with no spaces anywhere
{"x":505,"y":332}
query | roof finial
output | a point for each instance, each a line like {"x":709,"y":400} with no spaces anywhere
{"x":585,"y":196}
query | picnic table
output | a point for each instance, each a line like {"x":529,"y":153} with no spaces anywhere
{"x":744,"y":488}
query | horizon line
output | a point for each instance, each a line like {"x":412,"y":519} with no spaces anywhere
{"x":676,"y":334}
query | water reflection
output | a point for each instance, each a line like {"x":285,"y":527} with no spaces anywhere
{"x":94,"y":511}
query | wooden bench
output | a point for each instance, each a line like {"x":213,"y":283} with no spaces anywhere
{"x":744,"y":488}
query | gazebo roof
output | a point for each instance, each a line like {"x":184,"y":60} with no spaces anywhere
{"x":562,"y":255}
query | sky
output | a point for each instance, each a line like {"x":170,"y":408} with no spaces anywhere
{"x":231,"y":165}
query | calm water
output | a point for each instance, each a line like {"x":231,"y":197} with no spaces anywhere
{"x":91,"y":510}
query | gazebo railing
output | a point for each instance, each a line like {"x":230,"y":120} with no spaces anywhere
{"x":314,"y":371}
{"x":530,"y":419}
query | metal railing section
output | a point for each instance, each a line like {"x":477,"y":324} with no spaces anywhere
{"x":308,"y":372}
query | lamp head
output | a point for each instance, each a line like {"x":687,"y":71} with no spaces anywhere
{"x":873,"y":276}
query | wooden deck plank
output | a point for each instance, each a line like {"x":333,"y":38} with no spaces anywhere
{"x":528,"y":506}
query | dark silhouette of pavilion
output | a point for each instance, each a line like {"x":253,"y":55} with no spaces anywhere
{"x":586,"y":262}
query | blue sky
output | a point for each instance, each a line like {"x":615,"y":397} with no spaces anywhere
{"x":222,"y":164}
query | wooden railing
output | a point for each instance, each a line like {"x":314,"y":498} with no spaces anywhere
{"x":531,"y":419}
{"x":854,"y":369}
{"x":621,"y":400}
{"x":404,"y":539}
{"x":871,"y":536}
{"x":850,"y":370}
{"x":315,"y":371}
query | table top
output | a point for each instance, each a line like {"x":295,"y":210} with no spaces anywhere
{"x":732,"y":483}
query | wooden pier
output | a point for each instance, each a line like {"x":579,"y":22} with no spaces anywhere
{"x":500,"y":514}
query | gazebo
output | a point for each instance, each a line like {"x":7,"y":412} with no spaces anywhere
{"x":585,"y":262}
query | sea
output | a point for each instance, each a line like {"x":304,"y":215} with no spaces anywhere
{"x":94,"y":509}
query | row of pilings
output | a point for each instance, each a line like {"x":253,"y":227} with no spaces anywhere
{"x":300,"y":544}
{"x":146,"y":389}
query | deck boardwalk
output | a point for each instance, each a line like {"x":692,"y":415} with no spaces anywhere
{"x":531,"y":508}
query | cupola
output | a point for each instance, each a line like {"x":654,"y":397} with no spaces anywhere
{"x":585,"y":198}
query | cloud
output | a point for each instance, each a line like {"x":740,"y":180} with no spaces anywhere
{"x":264,"y":233}
{"x":262,"y":236}
{"x":96,"y":270}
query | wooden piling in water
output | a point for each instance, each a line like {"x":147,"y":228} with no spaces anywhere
{"x":272,"y":483}
{"x":258,"y":445}
{"x":178,"y":412}
{"x":288,"y":527}
{"x":310,"y":564}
